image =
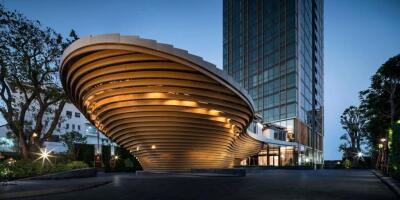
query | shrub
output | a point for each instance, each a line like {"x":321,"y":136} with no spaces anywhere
{"x":26,"y":168}
{"x":76,"y":165}
{"x":347,"y":163}
{"x":5,"y":171}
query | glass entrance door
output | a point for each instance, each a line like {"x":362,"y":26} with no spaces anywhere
{"x":273,"y":160}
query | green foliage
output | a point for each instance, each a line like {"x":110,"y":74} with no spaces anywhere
{"x":85,"y":153}
{"x":76,"y":165}
{"x":126,"y":161}
{"x":29,"y":83}
{"x":381,"y":109}
{"x":5,"y":171}
{"x":353,"y":121}
{"x":27,"y":168}
{"x":394,"y":169}
{"x":105,"y":157}
{"x":347,"y":164}
{"x":69,"y":139}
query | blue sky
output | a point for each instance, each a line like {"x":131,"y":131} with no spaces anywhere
{"x":360,"y":35}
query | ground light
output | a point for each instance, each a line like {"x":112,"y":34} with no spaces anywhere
{"x":359,"y":154}
{"x":44,"y":155}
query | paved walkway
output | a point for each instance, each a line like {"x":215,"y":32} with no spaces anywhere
{"x":271,"y":184}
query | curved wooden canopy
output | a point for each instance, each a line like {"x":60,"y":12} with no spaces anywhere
{"x":171,"y":109}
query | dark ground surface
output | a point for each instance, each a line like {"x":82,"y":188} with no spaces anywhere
{"x":270,"y":184}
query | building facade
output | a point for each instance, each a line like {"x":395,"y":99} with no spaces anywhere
{"x":274,"y":49}
{"x":71,"y":120}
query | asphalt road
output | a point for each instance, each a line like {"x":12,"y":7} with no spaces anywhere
{"x":269,"y":185}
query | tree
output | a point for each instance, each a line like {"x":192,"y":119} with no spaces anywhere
{"x":31,"y":98}
{"x":380,"y":102}
{"x":353,"y":122}
{"x":70,"y":140}
{"x":388,"y":80}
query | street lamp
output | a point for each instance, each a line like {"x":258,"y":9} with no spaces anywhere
{"x":359,"y":154}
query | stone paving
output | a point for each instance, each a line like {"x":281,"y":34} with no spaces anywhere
{"x":270,"y":184}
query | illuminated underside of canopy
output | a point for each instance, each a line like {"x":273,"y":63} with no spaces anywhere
{"x":171,"y":109}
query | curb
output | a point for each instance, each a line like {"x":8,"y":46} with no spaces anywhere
{"x":69,"y":174}
{"x":182,"y":174}
{"x":388,"y":181}
{"x":44,"y":192}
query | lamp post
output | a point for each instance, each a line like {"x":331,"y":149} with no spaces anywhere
{"x":383,"y":146}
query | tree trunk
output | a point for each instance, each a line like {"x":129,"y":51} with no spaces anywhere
{"x":24,"y":147}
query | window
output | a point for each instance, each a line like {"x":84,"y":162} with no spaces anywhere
{"x":59,"y":125}
{"x":283,"y":111}
{"x":291,"y":65}
{"x":79,"y":127}
{"x":77,"y":115}
{"x":69,"y":114}
{"x":291,"y":95}
{"x":67,"y":126}
{"x":291,"y":50}
{"x":291,"y":110}
{"x":73,"y":126}
{"x":291,"y":80}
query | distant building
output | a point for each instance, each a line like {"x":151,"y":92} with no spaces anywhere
{"x":274,"y":49}
{"x":71,"y":120}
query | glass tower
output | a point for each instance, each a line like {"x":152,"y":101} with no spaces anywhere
{"x":274,"y":49}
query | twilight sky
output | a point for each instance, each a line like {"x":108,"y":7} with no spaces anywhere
{"x":360,"y":35}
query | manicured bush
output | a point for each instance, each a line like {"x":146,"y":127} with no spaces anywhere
{"x":27,"y":168}
{"x":76,"y":165}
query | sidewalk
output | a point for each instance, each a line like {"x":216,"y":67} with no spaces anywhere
{"x":392,"y":183}
{"x":30,"y":188}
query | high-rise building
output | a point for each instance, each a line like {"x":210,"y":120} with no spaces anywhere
{"x":274,"y":49}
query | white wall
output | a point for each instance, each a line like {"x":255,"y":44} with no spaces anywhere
{"x":74,"y":121}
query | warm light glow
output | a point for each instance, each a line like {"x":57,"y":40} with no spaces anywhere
{"x":154,"y":95}
{"x":34,"y":135}
{"x":180,"y":103}
{"x":214,"y":112}
{"x":100,"y":92}
{"x":44,"y":155}
{"x":11,"y":161}
{"x":383,"y":139}
{"x":380,"y":146}
{"x":179,"y":106}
